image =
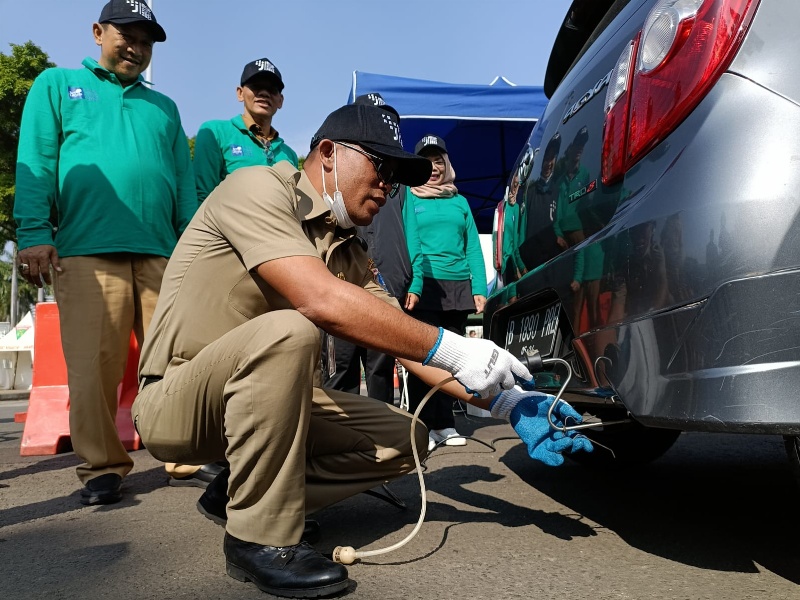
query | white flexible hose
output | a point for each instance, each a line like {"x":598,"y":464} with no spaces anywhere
{"x":347,"y":555}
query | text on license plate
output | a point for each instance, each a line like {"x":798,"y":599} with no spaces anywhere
{"x":536,"y":330}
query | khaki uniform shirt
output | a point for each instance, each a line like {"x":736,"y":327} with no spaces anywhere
{"x":211,"y":286}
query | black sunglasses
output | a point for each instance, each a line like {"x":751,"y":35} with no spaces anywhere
{"x":382,"y":167}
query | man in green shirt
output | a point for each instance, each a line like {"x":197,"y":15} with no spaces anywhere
{"x":107,"y":156}
{"x":248,"y":139}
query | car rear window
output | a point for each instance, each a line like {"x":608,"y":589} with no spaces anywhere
{"x":584,"y":22}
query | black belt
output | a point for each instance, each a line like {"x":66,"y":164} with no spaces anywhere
{"x":148,"y":379}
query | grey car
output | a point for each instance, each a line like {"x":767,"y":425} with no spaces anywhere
{"x":650,"y":235}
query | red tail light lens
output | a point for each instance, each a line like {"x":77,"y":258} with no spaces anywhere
{"x":615,"y":127}
{"x":683,"y":49}
{"x":498,"y":235}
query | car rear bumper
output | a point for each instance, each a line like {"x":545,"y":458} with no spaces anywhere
{"x":729,"y":363}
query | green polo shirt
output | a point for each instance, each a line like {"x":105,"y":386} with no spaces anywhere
{"x":221,"y":147}
{"x":512,"y":236}
{"x":450,"y":246}
{"x":113,"y":161}
{"x":569,"y":201}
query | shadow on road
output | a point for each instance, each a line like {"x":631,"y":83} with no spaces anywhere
{"x":135,"y":485}
{"x":703,"y":504}
{"x":42,"y":465}
{"x":362,"y":520}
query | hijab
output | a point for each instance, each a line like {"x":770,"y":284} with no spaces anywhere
{"x":444,"y":189}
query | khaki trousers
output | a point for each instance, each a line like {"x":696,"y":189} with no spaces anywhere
{"x":293,"y":447}
{"x":101,"y":299}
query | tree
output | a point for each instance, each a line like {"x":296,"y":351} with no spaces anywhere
{"x":27,"y":294}
{"x":17,"y":73}
{"x":300,"y":161}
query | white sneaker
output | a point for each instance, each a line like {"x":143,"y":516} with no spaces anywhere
{"x":450,"y":437}
{"x":431,"y":443}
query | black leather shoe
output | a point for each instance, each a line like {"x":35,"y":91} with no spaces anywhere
{"x":212,"y":504}
{"x":105,"y":489}
{"x":200,"y":478}
{"x":293,"y":571}
{"x":213,"y":501}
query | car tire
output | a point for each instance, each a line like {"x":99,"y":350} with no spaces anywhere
{"x":633,"y":445}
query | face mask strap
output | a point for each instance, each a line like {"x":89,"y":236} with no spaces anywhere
{"x":335,"y":171}
{"x":322,"y":170}
{"x":336,"y":203}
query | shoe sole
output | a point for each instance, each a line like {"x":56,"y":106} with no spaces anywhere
{"x":211,"y":516}
{"x":240,"y":574}
{"x":193,"y":482}
{"x":455,"y":441}
{"x":95,"y":500}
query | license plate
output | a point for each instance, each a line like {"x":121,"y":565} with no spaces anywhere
{"x":535,"y":330}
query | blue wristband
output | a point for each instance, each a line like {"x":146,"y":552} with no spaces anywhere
{"x":435,"y":347}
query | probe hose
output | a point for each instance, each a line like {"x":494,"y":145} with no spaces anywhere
{"x":347,"y":555}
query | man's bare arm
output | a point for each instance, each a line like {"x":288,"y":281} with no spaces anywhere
{"x":346,"y":310}
{"x":349,"y":312}
{"x":432,"y":376}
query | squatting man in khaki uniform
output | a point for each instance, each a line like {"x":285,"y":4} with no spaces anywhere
{"x":230,"y":365}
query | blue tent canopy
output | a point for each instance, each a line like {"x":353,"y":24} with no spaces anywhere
{"x":485,"y":127}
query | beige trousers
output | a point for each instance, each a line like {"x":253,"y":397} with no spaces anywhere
{"x":293,"y":447}
{"x":101,"y":299}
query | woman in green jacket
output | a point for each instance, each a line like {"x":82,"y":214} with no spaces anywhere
{"x":454,"y":275}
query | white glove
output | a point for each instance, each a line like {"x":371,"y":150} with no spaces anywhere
{"x":482,"y":367}
{"x":502,"y":405}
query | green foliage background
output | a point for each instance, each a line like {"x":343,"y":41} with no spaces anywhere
{"x":17,"y":72}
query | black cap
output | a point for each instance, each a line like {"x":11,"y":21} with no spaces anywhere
{"x":375,"y":99}
{"x":377,"y":131}
{"x":581,"y":137}
{"x":262,"y":67}
{"x":430,"y":140}
{"x":122,"y":12}
{"x":553,"y":146}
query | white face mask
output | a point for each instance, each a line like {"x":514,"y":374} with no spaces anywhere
{"x":336,"y":204}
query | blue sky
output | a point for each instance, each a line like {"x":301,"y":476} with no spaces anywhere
{"x":316,"y":45}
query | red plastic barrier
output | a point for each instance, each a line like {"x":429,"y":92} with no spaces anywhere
{"x":47,"y":419}
{"x":126,"y":394}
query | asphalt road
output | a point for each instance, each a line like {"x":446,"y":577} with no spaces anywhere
{"x":715,"y":518}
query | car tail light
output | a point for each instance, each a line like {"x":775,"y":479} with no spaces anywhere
{"x":661,"y":76}
{"x":499,"y":219}
{"x":615,"y":127}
